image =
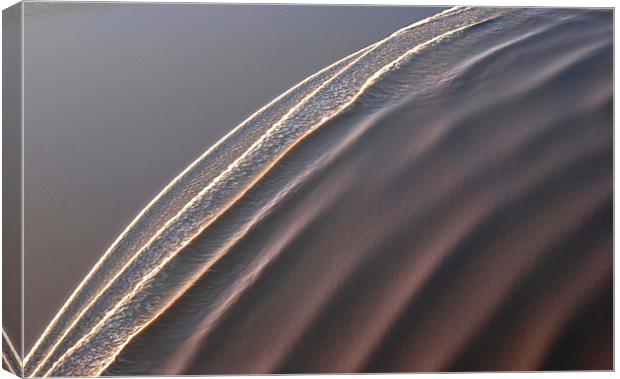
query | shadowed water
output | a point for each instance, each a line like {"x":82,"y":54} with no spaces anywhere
{"x":438,"y":201}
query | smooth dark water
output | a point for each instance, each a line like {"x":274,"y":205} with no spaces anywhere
{"x":439,"y":201}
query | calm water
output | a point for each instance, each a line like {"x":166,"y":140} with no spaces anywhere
{"x":438,"y":201}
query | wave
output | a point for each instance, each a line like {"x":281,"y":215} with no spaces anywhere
{"x":187,"y":184}
{"x":11,"y":360}
{"x":306,"y":210}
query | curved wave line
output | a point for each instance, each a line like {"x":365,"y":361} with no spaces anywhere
{"x":237,"y":163}
{"x":212,"y":316}
{"x":184,"y":174}
{"x":10,"y":355}
{"x":132,"y":259}
{"x":580,"y":297}
{"x":481,"y":211}
{"x":446,"y":12}
{"x":249,"y":278}
{"x":169,"y":187}
{"x":585,"y":223}
{"x":542,"y":176}
{"x":8,"y":366}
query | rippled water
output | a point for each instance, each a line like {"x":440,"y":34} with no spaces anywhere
{"x":120,"y":98}
{"x":440,"y":200}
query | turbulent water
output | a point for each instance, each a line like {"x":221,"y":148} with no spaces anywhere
{"x":438,"y":201}
{"x":10,"y":357}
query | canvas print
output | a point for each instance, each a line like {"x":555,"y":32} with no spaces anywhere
{"x":198,"y":189}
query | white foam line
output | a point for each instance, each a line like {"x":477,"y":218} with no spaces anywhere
{"x":257,"y":144}
{"x":129,"y":228}
{"x":153,"y":202}
{"x":12,"y":353}
{"x":9,"y":368}
{"x":218,"y":179}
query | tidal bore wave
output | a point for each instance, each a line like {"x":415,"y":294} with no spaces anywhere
{"x":439,"y":200}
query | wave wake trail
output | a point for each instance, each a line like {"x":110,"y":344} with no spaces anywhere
{"x":10,"y":358}
{"x":326,"y":100}
{"x":435,"y":197}
{"x":180,"y":190}
{"x":163,"y":207}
